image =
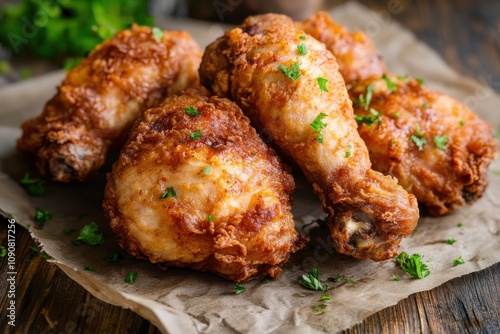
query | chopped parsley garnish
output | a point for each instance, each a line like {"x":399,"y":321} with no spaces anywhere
{"x":325,"y":297}
{"x":361,"y":100}
{"x":195,"y":135}
{"x":425,"y":105}
{"x":3,"y":251}
{"x":157,"y":33}
{"x":351,"y":281}
{"x":303,"y":37}
{"x":302,"y":49}
{"x":369,"y":119}
{"x":405,"y":78}
{"x":420,"y":81}
{"x":450,"y":241}
{"x":113,"y":256}
{"x":69,"y":231}
{"x":458,"y":261}
{"x":89,"y":235}
{"x":33,"y":252}
{"x":460,"y":225}
{"x":239,"y":288}
{"x":89,"y":268}
{"x":391,"y":85}
{"x":419,"y":139}
{"x":170,"y":192}
{"x":311,"y":281}
{"x":25,"y":73}
{"x":336,"y":279}
{"x":131,"y":277}
{"x":206,"y":170}
{"x":441,"y":142}
{"x":413,"y":265}
{"x":498,"y":134}
{"x":41,"y":217}
{"x":395,"y":114}
{"x":396,"y":277}
{"x":318,"y":125}
{"x":322,"y":84}
{"x":348,"y":153}
{"x":192,"y":111}
{"x":369,"y":93}
{"x":210,"y":218}
{"x":34,"y":187}
{"x":320,"y":307}
{"x":4,"y":66}
{"x":461,"y":123}
{"x":293,"y":72}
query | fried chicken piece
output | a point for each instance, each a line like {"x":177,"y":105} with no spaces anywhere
{"x":354,"y":51}
{"x":99,"y":100}
{"x":436,"y":147}
{"x":196,"y":187}
{"x":259,"y":66}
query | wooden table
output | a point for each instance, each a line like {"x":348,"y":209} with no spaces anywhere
{"x":467,"y":34}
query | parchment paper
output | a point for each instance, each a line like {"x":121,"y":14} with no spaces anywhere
{"x":185,"y":301}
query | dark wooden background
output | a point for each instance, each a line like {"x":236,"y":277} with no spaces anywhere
{"x":467,"y":35}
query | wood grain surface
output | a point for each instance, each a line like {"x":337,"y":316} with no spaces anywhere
{"x":467,"y":35}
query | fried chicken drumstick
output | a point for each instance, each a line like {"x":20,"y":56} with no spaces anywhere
{"x":196,"y":187}
{"x":99,"y":100}
{"x":442,"y":176}
{"x":289,"y":84}
{"x":436,"y":147}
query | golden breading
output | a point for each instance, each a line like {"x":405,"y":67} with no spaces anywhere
{"x":445,"y":163}
{"x":259,"y":66}
{"x":354,"y":51}
{"x":202,"y":191}
{"x":99,"y":100}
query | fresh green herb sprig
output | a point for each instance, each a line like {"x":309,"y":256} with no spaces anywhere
{"x":391,"y":85}
{"x":131,"y":277}
{"x":192,"y":111}
{"x":441,"y":142}
{"x":458,"y":261}
{"x":239,"y":288}
{"x":374,"y":117}
{"x":322,"y":83}
{"x":89,"y":235}
{"x":292,"y":72}
{"x":195,"y":135}
{"x":419,"y":138}
{"x":413,"y":265}
{"x":3,"y":251}
{"x":34,"y":187}
{"x":318,"y":125}
{"x":302,"y":49}
{"x":311,"y":280}
{"x":170,"y":192}
{"x":114,"y":256}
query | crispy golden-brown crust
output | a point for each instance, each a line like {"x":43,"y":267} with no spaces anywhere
{"x":442,"y":180}
{"x":99,"y":100}
{"x":246,"y":190}
{"x":354,"y":51}
{"x":369,"y":212}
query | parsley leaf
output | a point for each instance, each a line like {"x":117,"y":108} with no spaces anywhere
{"x":460,"y":225}
{"x":206,"y":170}
{"x":369,"y":93}
{"x":69,"y":231}
{"x":450,"y":241}
{"x":239,"y":288}
{"x":322,"y":84}
{"x":302,"y":49}
{"x":170,"y":192}
{"x":89,"y":235}
{"x":311,"y":281}
{"x":157,"y":33}
{"x":89,"y":268}
{"x":420,"y":81}
{"x":461,"y":123}
{"x":192,"y":111}
{"x":458,"y":261}
{"x":405,"y":78}
{"x":113,"y":256}
{"x":34,"y":187}
{"x":425,"y":105}
{"x":195,"y":135}
{"x":413,"y":265}
{"x":419,"y":139}
{"x":41,"y":217}
{"x":351,"y":281}
{"x":441,"y":142}
{"x":318,"y":125}
{"x":302,"y":37}
{"x":131,"y":277}
{"x":325,"y":297}
{"x":395,"y":114}
{"x":293,"y":72}
{"x":320,"y":308}
{"x":369,"y":119}
{"x":396,"y":277}
{"x":348,"y":153}
{"x":3,"y":251}
{"x":210,"y":218}
{"x":336,"y":279}
{"x":391,"y":85}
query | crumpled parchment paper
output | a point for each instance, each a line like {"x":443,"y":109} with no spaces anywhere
{"x":185,"y":301}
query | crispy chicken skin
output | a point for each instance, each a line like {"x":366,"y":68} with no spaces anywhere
{"x":354,"y":51}
{"x":442,"y":175}
{"x":231,"y":212}
{"x":369,"y":213}
{"x":99,"y":100}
